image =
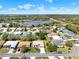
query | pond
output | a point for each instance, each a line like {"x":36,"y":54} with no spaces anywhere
{"x":33,"y":23}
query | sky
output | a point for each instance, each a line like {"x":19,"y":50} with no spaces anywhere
{"x":39,"y":6}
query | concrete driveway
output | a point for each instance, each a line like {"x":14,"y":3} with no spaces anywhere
{"x":10,"y":50}
{"x":42,"y":50}
{"x":32,"y":57}
{"x":5,"y":57}
{"x":52,"y":57}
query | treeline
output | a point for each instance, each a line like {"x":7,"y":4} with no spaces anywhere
{"x":74,"y":28}
{"x":66,"y":18}
{"x":25,"y":17}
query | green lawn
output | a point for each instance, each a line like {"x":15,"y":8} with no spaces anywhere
{"x":14,"y":51}
{"x":45,"y":43}
{"x":33,"y":49}
{"x":72,"y":41}
{"x":73,"y":57}
{"x":64,"y":49}
{"x":14,"y":58}
{"x":41,"y":58}
{"x":4,"y":50}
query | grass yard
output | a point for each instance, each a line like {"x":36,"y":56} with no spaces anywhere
{"x":14,"y":51}
{"x":45,"y":44}
{"x":73,"y":57}
{"x":14,"y":58}
{"x":72,"y":41}
{"x":47,"y":41}
{"x":33,"y":49}
{"x":4,"y":50}
{"x":64,"y":49}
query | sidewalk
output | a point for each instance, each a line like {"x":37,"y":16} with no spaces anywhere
{"x":32,"y":57}
{"x":52,"y":57}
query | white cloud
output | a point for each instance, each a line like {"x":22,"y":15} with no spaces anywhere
{"x":26,"y":6}
{"x":53,"y":8}
{"x":40,"y":8}
{"x":12,"y":9}
{"x":21,"y":6}
{"x":50,"y":1}
{"x":0,"y":6}
{"x":73,"y":3}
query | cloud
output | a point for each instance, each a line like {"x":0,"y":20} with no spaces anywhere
{"x":12,"y":9}
{"x":0,"y":6}
{"x":40,"y":8}
{"x":50,"y":1}
{"x":73,"y":3}
{"x":26,"y":6}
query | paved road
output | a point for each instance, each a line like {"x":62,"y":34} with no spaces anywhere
{"x":38,"y":54}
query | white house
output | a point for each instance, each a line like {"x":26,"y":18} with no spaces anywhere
{"x":3,"y":29}
{"x":10,"y":44}
{"x":17,"y":32}
{"x":34,"y":30}
{"x":38,"y":44}
{"x":58,"y":41}
{"x":6,"y":24}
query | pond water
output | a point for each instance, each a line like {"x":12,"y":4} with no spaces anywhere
{"x":30,"y":23}
{"x":33,"y":23}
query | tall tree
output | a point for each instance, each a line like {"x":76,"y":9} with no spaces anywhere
{"x":4,"y":36}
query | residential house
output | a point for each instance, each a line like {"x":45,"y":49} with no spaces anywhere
{"x":58,"y":41}
{"x":76,"y":47}
{"x":50,"y":34}
{"x":19,"y":29}
{"x":38,"y":44}
{"x":24,"y":43}
{"x":17,"y":32}
{"x":76,"y":38}
{"x":3,"y":29}
{"x":11,"y":44}
{"x":11,"y":30}
{"x":34,"y":30}
{"x":6,"y":24}
{"x":68,"y":33}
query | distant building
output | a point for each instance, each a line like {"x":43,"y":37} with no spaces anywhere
{"x":67,"y":32}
